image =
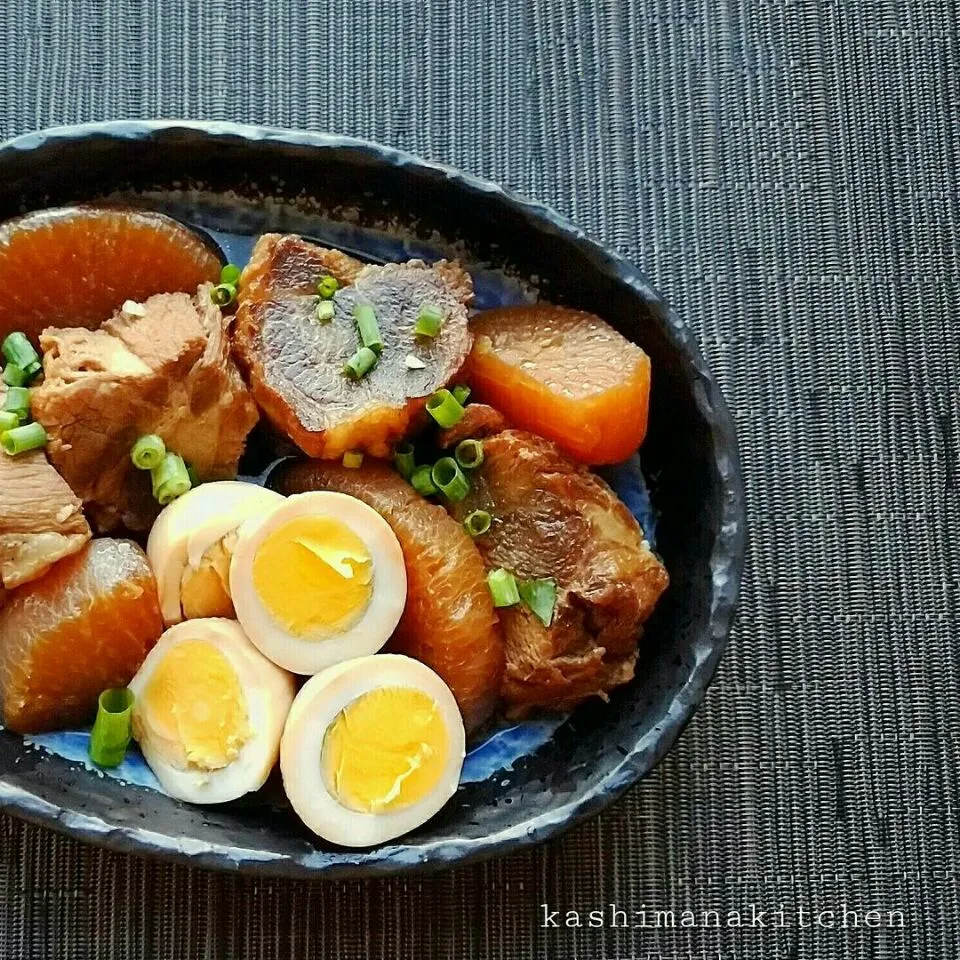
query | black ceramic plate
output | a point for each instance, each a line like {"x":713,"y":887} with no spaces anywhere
{"x":235,"y":181}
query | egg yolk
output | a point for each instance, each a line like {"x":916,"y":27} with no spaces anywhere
{"x":205,"y":589}
{"x":314,"y":575}
{"x":385,"y":751}
{"x":194,"y":708}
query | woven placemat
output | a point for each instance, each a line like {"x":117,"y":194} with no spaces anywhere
{"x":786,"y":172}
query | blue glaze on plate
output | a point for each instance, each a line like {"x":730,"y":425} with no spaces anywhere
{"x":75,"y":745}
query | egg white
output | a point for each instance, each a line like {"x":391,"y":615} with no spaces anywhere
{"x":378,"y":621}
{"x":191,"y":524}
{"x":301,"y":749}
{"x":268,"y":692}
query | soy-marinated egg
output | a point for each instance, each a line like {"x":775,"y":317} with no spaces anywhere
{"x":209,"y":711}
{"x":318,"y":580}
{"x":192,"y":541}
{"x":372,"y":748}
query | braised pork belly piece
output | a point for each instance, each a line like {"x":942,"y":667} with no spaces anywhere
{"x":162,"y":367}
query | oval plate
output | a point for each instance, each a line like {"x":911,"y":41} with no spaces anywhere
{"x":236,"y":180}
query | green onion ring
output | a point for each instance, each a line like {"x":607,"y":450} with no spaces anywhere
{"x":422,"y":481}
{"x":450,"y":479}
{"x":31,"y":436}
{"x":503,"y":588}
{"x":113,"y":727}
{"x":443,"y":407}
{"x":469,"y":454}
{"x":477,"y":523}
{"x":404,"y":459}
{"x":148,"y":452}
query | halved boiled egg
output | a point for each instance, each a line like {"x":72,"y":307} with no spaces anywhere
{"x":191,"y":543}
{"x":372,"y":748}
{"x":318,"y":580}
{"x":209,"y":711}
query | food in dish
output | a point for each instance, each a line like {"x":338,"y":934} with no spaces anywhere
{"x":564,"y":374}
{"x":192,"y":542}
{"x":434,"y":570}
{"x":76,"y":265}
{"x":209,"y":711}
{"x":161,"y":367}
{"x":478,"y":421}
{"x":82,"y":628}
{"x":554,"y":520}
{"x":372,"y":748}
{"x":41,"y":520}
{"x":295,"y":360}
{"x":318,"y":579}
{"x":449,"y":622}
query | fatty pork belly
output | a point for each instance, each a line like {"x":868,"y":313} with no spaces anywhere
{"x":294,"y":361}
{"x":41,"y":520}
{"x":554,"y":519}
{"x":159,"y":367}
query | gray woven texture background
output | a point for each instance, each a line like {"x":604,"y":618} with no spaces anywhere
{"x":785,"y":172}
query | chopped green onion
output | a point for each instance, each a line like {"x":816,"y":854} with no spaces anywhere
{"x":195,"y":480}
{"x":325,"y":311}
{"x":462,"y":394}
{"x":19,"y":351}
{"x":148,"y":452}
{"x":422,"y":481}
{"x":8,"y":421}
{"x":30,"y":436}
{"x":353,"y":459}
{"x":13,"y":376}
{"x":429,"y":321}
{"x":17,"y":401}
{"x":541,"y":597}
{"x":443,"y":407}
{"x":469,"y":454}
{"x":449,"y":478}
{"x":477,"y":523}
{"x":360,"y":364}
{"x":230,"y":273}
{"x":404,"y":460}
{"x":113,"y":727}
{"x":503,"y":588}
{"x":223,"y":294}
{"x":327,"y":287}
{"x":367,"y":325}
{"x":170,"y":479}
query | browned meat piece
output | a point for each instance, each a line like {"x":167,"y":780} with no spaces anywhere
{"x":41,"y":520}
{"x":294,"y":363}
{"x":164,"y":368}
{"x":478,"y":421}
{"x":555,"y":519}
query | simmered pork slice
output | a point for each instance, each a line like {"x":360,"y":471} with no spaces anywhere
{"x":163,"y":368}
{"x":41,"y":521}
{"x":294,"y":363}
{"x":555,"y":519}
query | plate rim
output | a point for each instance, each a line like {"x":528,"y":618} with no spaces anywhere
{"x":727,"y":561}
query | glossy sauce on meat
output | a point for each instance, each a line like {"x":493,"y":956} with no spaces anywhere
{"x":552,"y":518}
